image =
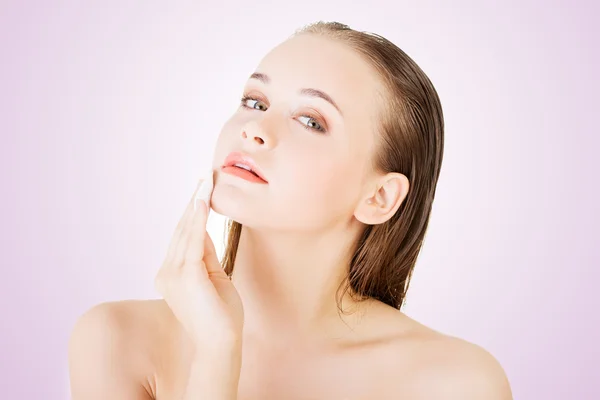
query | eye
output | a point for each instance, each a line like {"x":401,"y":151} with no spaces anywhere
{"x":312,"y":123}
{"x":254,"y":102}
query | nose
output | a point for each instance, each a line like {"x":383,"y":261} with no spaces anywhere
{"x":254,"y":135}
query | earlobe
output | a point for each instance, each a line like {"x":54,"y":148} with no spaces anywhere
{"x":380,"y":205}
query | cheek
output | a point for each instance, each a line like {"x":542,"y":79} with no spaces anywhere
{"x":317,"y":178}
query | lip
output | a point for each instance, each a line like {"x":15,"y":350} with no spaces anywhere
{"x":238,"y":157}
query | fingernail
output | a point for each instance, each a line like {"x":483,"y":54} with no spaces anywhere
{"x":205,"y":191}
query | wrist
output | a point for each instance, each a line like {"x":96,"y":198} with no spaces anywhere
{"x":226,"y":344}
{"x":215,"y":374}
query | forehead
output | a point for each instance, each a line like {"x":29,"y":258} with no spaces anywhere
{"x":311,"y":61}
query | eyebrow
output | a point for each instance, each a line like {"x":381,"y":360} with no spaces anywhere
{"x":305,"y":92}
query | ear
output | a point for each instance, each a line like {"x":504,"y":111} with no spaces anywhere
{"x":379,"y":205}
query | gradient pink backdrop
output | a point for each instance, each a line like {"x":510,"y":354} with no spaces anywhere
{"x":109,"y":111}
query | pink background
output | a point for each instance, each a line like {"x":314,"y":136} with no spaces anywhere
{"x":109,"y":111}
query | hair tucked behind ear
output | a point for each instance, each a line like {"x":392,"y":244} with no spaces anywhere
{"x":410,"y":140}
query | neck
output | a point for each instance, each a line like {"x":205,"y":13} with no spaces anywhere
{"x":289,"y":283}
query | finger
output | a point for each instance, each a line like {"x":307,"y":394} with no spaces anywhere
{"x":190,"y":205}
{"x":176,"y":239}
{"x":194,"y":252}
{"x":203,"y":191}
{"x":195,"y":245}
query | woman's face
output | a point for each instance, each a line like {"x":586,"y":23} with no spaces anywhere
{"x":315,"y":155}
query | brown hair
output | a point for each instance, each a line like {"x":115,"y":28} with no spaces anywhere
{"x":410,"y":142}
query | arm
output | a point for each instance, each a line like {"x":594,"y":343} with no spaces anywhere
{"x":205,"y":302}
{"x":216,"y":375}
{"x":102,"y":363}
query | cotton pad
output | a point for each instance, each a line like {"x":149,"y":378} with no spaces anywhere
{"x":205,"y":191}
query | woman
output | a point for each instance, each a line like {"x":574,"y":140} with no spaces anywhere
{"x":343,"y":134}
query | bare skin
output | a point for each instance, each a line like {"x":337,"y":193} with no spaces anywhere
{"x":387,"y":356}
{"x":294,"y":344}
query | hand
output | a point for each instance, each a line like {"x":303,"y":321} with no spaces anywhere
{"x":195,"y":286}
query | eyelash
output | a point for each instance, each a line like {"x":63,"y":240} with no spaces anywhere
{"x":309,"y":128}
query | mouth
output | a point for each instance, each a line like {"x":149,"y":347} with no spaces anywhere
{"x":242,"y":165}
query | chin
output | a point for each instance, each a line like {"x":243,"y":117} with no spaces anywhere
{"x":230,"y":203}
{"x":255,"y":211}
{"x":255,"y":218}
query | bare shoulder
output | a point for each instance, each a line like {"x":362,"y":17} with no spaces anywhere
{"x":113,"y":347}
{"x":461,"y":370}
{"x":447,"y":367}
